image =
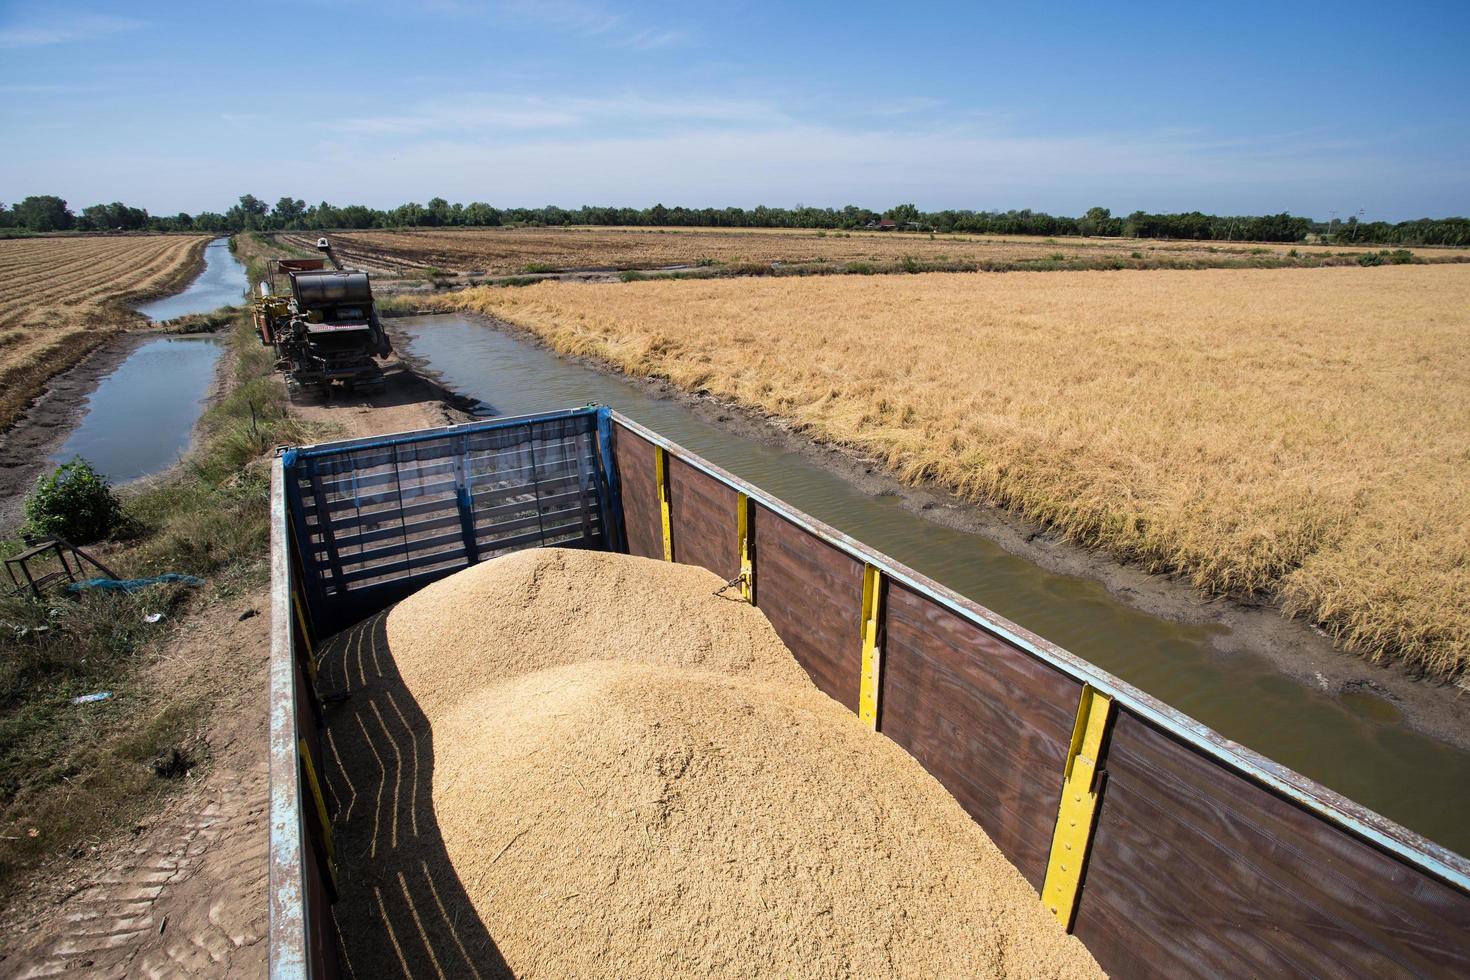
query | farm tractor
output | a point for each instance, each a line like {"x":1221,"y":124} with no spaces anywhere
{"x":327,"y":330}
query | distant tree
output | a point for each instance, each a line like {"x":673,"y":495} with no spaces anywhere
{"x":358,"y":216}
{"x":480,"y":214}
{"x":287,"y":213}
{"x":44,"y":212}
{"x":320,"y":217}
{"x":408,"y":215}
{"x":249,"y":214}
{"x":437,"y":212}
{"x":182,"y":221}
{"x":116,"y":216}
{"x":93,"y":218}
{"x":903,"y":213}
{"x":1099,"y":221}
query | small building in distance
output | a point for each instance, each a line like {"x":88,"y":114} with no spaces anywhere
{"x":888,"y":224}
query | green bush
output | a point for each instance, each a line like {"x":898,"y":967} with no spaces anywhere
{"x":1370,"y":258}
{"x":75,"y":502}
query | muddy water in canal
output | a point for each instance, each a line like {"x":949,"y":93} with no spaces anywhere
{"x":1354,"y":744}
{"x":139,"y":419}
{"x":222,"y":283}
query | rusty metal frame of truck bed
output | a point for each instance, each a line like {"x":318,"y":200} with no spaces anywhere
{"x":1418,"y":867}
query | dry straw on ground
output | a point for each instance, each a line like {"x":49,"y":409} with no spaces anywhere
{"x":1297,"y":435}
{"x":61,"y":297}
{"x":510,"y":251}
{"x":633,"y":777}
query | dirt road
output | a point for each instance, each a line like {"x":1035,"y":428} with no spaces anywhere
{"x":183,"y":893}
{"x":409,"y":401}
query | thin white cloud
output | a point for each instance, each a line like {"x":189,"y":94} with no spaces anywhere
{"x":593,"y":20}
{"x":474,"y":114}
{"x":46,"y":89}
{"x":905,"y":106}
{"x":458,"y":118}
{"x":832,"y":166}
{"x":651,"y":39}
{"x":451,"y":7}
{"x":568,"y":15}
{"x":60,"y":29}
{"x":688,"y":151}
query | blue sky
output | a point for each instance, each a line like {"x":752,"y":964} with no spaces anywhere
{"x":1228,"y":108}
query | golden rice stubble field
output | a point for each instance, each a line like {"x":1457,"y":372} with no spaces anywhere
{"x":61,"y":297}
{"x":1296,"y":435}
{"x":511,"y":251}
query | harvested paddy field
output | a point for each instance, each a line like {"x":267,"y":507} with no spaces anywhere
{"x":1291,"y":436}
{"x":570,"y":763}
{"x":482,"y":252}
{"x":61,"y":297}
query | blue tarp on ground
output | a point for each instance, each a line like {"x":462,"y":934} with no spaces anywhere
{"x":133,"y":584}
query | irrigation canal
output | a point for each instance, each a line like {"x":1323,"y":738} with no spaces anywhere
{"x":222,"y":283}
{"x":1354,"y":744}
{"x":139,"y":419}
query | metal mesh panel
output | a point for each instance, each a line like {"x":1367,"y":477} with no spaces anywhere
{"x":375,"y":515}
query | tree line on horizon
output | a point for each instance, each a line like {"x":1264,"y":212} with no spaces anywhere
{"x":48,"y":213}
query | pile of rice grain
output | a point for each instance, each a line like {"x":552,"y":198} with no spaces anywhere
{"x":633,"y":777}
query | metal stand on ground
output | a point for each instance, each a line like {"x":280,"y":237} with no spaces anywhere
{"x":23,"y":577}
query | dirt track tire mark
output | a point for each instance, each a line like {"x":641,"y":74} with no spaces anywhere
{"x":190,"y":901}
{"x":186,"y":894}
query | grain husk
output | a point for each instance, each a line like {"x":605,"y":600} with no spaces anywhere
{"x":634,"y":777}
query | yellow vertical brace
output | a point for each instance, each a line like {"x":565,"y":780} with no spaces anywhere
{"x":1077,"y":814}
{"x":305,"y":637}
{"x":296,"y":605}
{"x":661,"y":474}
{"x":872,"y":655}
{"x":747,"y":559}
{"x":316,"y":794}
